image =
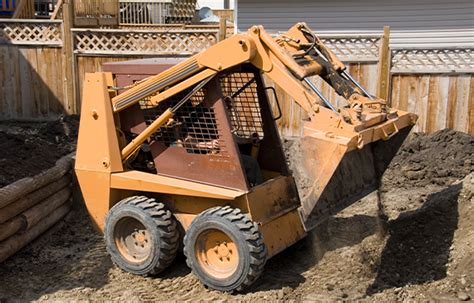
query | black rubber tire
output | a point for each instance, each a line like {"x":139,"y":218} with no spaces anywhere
{"x":244,"y":232}
{"x":157,"y":220}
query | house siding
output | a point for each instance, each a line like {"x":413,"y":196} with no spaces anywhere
{"x":365,"y":15}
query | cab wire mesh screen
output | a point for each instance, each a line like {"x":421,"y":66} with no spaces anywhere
{"x":240,"y":90}
{"x":194,"y":125}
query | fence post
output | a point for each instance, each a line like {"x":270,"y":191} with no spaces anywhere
{"x":222,"y":29}
{"x":385,"y":64}
{"x":68,"y":57}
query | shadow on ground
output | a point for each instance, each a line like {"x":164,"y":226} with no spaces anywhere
{"x":418,"y":247}
{"x":286,"y":268}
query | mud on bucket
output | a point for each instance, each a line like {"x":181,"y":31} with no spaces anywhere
{"x":330,"y":176}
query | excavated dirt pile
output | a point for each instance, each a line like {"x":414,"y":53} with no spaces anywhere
{"x":29,"y":148}
{"x":422,"y":252}
{"x":438,"y":159}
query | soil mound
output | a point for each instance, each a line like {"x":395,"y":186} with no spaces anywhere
{"x":439,"y":158}
{"x":29,"y":148}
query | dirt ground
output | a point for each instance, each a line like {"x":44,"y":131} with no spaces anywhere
{"x":423,"y":252}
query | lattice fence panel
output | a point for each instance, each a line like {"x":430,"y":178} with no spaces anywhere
{"x":142,"y":42}
{"x":354,"y":49}
{"x":433,"y":60}
{"x":31,"y":33}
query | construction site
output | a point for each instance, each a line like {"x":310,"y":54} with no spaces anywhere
{"x":166,"y":151}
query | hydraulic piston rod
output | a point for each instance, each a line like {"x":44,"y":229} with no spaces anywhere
{"x":320,"y":95}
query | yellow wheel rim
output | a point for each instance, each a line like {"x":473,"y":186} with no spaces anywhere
{"x":216,"y":253}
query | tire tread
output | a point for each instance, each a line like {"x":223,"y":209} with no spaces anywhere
{"x":253,"y":240}
{"x":166,"y":225}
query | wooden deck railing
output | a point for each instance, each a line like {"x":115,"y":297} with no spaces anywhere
{"x":31,"y":32}
{"x":173,"y":42}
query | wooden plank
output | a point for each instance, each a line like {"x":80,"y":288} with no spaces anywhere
{"x":384,"y":65}
{"x":9,"y":76}
{"x":354,"y":71}
{"x":464,"y":98}
{"x":59,"y":80}
{"x":43,"y":90}
{"x":414,"y":103}
{"x":364,"y":75}
{"x":370,"y":75}
{"x":395,"y":92}
{"x":14,"y":58}
{"x":54,"y":105}
{"x":471,"y":106}
{"x":441,"y":108}
{"x":452,"y":99}
{"x":47,"y":81}
{"x":420,"y":104}
{"x":433,"y":100}
{"x":404,"y":86}
{"x":422,"y":108}
{"x":36,"y":83}
{"x":69,"y":59}
{"x":25,"y":77}
{"x":36,"y":21}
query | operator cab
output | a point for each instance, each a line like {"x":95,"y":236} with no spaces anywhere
{"x":227,"y":127}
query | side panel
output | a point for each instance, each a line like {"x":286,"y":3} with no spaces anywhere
{"x":98,"y":196}
{"x":282,"y":232}
{"x":97,"y":144}
{"x":98,"y":153}
{"x":274,"y":206}
{"x":272,"y":199}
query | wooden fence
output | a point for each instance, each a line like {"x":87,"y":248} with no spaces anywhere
{"x":35,"y":83}
{"x":32,"y":76}
{"x":437,"y":84}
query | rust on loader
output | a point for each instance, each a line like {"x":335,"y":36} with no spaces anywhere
{"x":193,"y":154}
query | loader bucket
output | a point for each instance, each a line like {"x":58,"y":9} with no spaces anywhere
{"x":331,"y":177}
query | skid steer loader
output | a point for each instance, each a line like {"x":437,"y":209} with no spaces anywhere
{"x":192,"y":155}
